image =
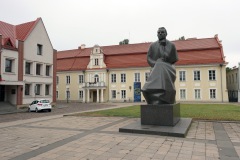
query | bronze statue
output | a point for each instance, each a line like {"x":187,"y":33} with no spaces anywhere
{"x":162,"y":54}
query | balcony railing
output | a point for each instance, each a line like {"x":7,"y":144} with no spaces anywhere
{"x":94,"y":84}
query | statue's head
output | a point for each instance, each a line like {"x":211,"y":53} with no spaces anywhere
{"x":162,"y":33}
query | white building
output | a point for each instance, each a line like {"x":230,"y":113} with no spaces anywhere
{"x":27,"y":61}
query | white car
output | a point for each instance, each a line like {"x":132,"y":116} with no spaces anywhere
{"x":40,"y":105}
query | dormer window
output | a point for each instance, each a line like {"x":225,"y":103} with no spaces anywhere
{"x":96,"y":62}
{"x":9,"y":43}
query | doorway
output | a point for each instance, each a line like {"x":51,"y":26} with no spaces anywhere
{"x":2,"y":93}
{"x":94,"y":96}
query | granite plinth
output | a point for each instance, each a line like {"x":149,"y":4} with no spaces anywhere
{"x":179,"y":130}
{"x":161,"y":115}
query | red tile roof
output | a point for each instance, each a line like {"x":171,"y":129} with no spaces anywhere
{"x":19,"y":32}
{"x":190,"y":52}
{"x":7,"y":31}
{"x":72,"y":63}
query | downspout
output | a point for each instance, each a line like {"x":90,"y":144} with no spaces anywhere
{"x":221,"y":81}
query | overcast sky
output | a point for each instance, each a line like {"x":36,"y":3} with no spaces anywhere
{"x":71,"y":23}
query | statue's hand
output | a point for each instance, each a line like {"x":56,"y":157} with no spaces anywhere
{"x":160,"y":60}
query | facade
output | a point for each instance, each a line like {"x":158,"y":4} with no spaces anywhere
{"x":27,"y":58}
{"x":117,"y":73}
{"x":233,"y":81}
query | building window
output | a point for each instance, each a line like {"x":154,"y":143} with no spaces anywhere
{"x":182,"y":75}
{"x":38,"y":89}
{"x":28,"y":68}
{"x":114,"y":94}
{"x":123,"y":77}
{"x":182,"y":94}
{"x":232,"y":78}
{"x":68,"y":95}
{"x":196,"y":75}
{"x":57,"y":79}
{"x":96,"y":78}
{"x":212,"y":75}
{"x":81,"y":94}
{"x":68,"y":80}
{"x":137,"y":77}
{"x":39,"y":49}
{"x":147,"y":74}
{"x":8,"y":65}
{"x":48,"y":69}
{"x":113,"y":78}
{"x":27,"y":89}
{"x":123,"y":94}
{"x":47,"y":89}
{"x":81,"y":79}
{"x":57,"y":94}
{"x":38,"y":69}
{"x":96,"y":62}
{"x":197,"y":94}
{"x":212,"y":93}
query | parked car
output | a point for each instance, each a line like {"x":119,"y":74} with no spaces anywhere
{"x":40,"y":105}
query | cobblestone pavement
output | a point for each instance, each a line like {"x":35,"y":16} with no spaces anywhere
{"x":61,"y":108}
{"x":60,"y":137}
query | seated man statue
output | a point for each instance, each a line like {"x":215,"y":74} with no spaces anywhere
{"x":162,"y":54}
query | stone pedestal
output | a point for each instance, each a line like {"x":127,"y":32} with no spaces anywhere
{"x":160,"y":120}
{"x":161,"y":115}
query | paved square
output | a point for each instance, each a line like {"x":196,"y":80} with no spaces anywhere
{"x":89,"y":138}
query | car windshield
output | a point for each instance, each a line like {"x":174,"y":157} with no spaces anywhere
{"x":44,"y":101}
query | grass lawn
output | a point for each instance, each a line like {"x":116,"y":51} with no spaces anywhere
{"x":227,"y":112}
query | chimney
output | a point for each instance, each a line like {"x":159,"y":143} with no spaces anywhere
{"x":82,"y":46}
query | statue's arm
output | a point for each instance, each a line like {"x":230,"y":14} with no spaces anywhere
{"x":174,"y":55}
{"x":150,"y":57}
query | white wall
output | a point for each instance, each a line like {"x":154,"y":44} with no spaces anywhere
{"x":11,"y":97}
{"x":38,"y":36}
{"x":13,"y":55}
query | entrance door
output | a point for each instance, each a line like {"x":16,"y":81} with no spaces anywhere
{"x":94,"y":96}
{"x":2,"y":93}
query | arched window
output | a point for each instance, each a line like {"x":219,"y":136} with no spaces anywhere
{"x":96,"y":78}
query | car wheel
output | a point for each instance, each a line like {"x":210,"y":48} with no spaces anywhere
{"x":36,"y":110}
{"x":49,"y":110}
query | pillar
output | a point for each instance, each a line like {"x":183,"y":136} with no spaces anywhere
{"x":88,"y":95}
{"x":102,"y":95}
{"x":97,"y":95}
{"x":84,"y":99}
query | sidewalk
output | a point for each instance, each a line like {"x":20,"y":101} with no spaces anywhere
{"x":85,"y":138}
{"x":6,"y":108}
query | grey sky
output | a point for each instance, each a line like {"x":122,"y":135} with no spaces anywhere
{"x":106,"y":22}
